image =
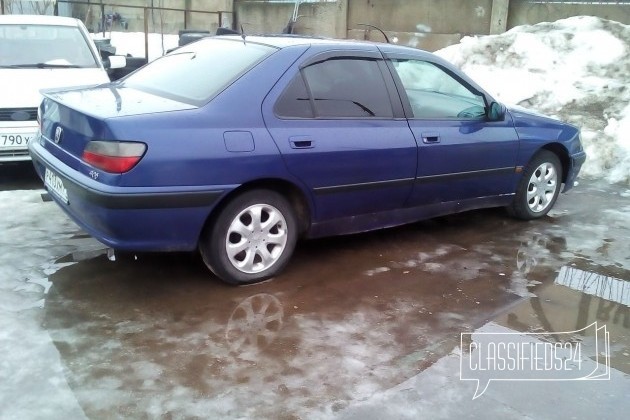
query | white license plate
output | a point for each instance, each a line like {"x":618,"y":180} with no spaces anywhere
{"x":14,"y":141}
{"x":55,"y":184}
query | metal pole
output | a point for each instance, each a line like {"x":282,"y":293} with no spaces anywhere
{"x":103,"y":19}
{"x":187,"y":6}
{"x":499,"y":16}
{"x":2,"y":6}
{"x":146,"y":33}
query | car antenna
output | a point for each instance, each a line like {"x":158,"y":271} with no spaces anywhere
{"x":243,"y":34}
{"x":377,"y":28}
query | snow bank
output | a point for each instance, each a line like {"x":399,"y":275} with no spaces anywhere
{"x":575,"y":69}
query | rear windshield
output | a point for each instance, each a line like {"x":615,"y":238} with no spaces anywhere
{"x":197,"y":72}
{"x":43,"y":46}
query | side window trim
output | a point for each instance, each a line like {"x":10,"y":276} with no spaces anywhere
{"x":394,"y":95}
{"x":311,"y":100}
{"x":340,"y":54}
{"x":299,"y":75}
{"x":402,"y":93}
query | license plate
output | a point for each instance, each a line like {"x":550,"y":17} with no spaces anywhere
{"x":55,"y":184}
{"x":14,"y":141}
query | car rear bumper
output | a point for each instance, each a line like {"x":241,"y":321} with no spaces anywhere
{"x":130,"y":218}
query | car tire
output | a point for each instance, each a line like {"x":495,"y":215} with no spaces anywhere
{"x":251,"y":239}
{"x":539,"y":187}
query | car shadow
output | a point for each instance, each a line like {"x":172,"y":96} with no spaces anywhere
{"x":19,"y":176}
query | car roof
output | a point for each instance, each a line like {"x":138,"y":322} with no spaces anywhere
{"x":283,"y":41}
{"x":37,"y":20}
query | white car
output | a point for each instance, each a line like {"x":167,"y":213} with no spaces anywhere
{"x":41,"y":52}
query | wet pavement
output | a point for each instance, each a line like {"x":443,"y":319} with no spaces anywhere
{"x":364,"y":326}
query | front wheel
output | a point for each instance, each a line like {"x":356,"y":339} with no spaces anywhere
{"x":539,"y":188}
{"x":252,"y":238}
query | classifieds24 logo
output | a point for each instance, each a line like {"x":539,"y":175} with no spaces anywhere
{"x":495,"y":353}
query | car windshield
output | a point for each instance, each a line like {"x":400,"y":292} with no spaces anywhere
{"x":44,"y":46}
{"x":199,"y":71}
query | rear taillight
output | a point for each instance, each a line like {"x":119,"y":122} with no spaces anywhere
{"x":114,"y":156}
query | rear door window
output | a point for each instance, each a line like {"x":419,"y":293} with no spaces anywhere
{"x":337,"y":88}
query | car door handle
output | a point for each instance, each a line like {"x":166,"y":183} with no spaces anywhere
{"x":301,"y":143}
{"x":430,"y":138}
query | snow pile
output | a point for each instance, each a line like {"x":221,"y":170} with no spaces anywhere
{"x":575,"y":69}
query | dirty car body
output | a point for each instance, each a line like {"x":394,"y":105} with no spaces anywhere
{"x":240,"y":147}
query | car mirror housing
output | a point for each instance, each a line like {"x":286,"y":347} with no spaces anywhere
{"x":496,"y":112}
{"x":115,"y":62}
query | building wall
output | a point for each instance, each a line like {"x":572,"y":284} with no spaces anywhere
{"x":433,"y":16}
{"x":322,"y":18}
{"x":426,"y":24}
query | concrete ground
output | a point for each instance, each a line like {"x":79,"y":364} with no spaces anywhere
{"x":358,"y":327}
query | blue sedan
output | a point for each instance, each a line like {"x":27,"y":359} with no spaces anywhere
{"x":239,"y":147}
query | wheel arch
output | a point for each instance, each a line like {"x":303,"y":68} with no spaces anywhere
{"x":563,"y":155}
{"x":292,"y":192}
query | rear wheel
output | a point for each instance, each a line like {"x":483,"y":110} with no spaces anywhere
{"x":539,"y":188}
{"x":252,"y":238}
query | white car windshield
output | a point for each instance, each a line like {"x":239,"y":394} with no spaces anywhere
{"x":44,"y":46}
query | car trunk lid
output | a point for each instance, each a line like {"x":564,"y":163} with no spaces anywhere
{"x":70,"y":119}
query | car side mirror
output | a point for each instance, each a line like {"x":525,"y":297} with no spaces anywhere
{"x":496,"y":112}
{"x":115,"y":62}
